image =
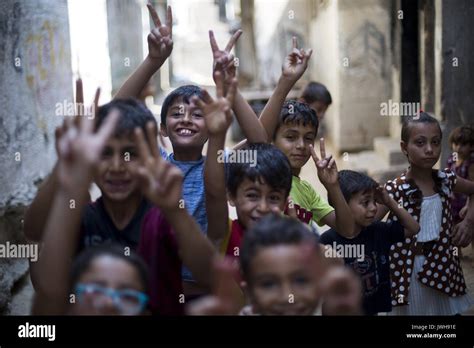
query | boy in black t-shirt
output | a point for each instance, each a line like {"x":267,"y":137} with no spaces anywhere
{"x":366,"y":248}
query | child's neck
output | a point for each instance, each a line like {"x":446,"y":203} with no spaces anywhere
{"x":187,"y":155}
{"x":121,"y":213}
{"x":423,"y":179}
{"x":296,"y":171}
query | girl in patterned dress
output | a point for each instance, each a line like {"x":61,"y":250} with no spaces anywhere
{"x":425,"y":270}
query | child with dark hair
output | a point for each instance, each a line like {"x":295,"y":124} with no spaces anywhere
{"x":317,"y":96}
{"x":461,"y":162}
{"x":112,"y":279}
{"x":425,"y":270}
{"x":292,"y":126}
{"x":284,"y":273}
{"x":366,"y":246}
{"x":185,"y":126}
{"x":117,"y":214}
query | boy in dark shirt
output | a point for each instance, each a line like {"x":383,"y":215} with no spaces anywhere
{"x":366,"y":248}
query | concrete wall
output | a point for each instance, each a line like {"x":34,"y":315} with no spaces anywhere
{"x":35,"y":74}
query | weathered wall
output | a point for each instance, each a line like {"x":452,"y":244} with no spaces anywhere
{"x":35,"y":74}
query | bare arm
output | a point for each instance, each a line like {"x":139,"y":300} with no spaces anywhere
{"x":78,"y":154}
{"x":160,"y":46}
{"x":225,"y":63}
{"x":411,"y":226}
{"x":328,"y":175}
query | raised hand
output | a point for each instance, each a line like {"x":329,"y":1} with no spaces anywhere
{"x":78,"y":147}
{"x":382,"y":196}
{"x":160,"y":181}
{"x":160,"y":39}
{"x":217,"y":114}
{"x":326,"y":166}
{"x":223,"y":60}
{"x":296,"y":62}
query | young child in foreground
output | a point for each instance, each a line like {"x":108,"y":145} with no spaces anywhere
{"x":366,"y":247}
{"x":285,"y":273}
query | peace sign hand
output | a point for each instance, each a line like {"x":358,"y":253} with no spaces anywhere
{"x":160,"y":39}
{"x":296,"y":62}
{"x":326,"y":166}
{"x":223,"y":60}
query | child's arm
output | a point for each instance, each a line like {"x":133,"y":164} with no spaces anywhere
{"x":38,"y":211}
{"x":160,"y":45}
{"x":293,"y":68}
{"x":411,"y":226}
{"x":218,"y":118}
{"x":224,"y":62}
{"x":462,"y":233}
{"x":79,"y":151}
{"x":161,"y":183}
{"x":327,"y":173}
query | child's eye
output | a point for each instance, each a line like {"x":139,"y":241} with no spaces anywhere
{"x":176,"y":114}
{"x":268,"y":284}
{"x":275,"y":198}
{"x":252,"y":195}
{"x":301,"y":280}
{"x":107,"y":153}
{"x":197,"y":114}
{"x":436,"y":142}
{"x":290,"y":137}
{"x":309,"y":139}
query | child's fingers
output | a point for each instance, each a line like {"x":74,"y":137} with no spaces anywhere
{"x":154,"y":15}
{"x":152,"y":131}
{"x":79,"y":92}
{"x":108,"y":127}
{"x":142,"y":145}
{"x":219,"y":84}
{"x":322,"y":148}
{"x":169,"y":20}
{"x":313,"y":153}
{"x":213,"y":42}
{"x":294,"y":42}
{"x":233,"y":40}
{"x":332,"y":163}
{"x":152,"y":39}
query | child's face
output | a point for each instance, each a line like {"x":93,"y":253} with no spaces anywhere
{"x":424,"y":145}
{"x":294,"y":140}
{"x":114,"y":172}
{"x":113,"y":273}
{"x":463,"y":150}
{"x":254,"y":200}
{"x":320,"y":109}
{"x":185,"y":126}
{"x":363,"y":207}
{"x":284,"y":280}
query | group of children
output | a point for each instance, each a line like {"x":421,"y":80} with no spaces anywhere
{"x":159,"y":239}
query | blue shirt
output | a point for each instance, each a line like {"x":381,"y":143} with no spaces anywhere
{"x":193,"y":194}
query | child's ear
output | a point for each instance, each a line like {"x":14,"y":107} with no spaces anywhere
{"x":403,"y":146}
{"x":163,"y":130}
{"x":230,"y":199}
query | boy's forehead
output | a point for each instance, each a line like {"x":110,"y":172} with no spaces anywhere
{"x":284,"y":257}
{"x":258,"y":184}
{"x":297,"y":126}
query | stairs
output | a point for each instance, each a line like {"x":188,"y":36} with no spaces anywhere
{"x":386,"y":161}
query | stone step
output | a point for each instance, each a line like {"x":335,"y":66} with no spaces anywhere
{"x":372,"y":164}
{"x":389,"y":150}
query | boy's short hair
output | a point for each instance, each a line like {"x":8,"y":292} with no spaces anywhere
{"x":133,"y":114}
{"x":184,"y":92}
{"x":463,"y":135}
{"x":315,"y":91}
{"x":271,"y":165}
{"x":295,"y":112}
{"x":421,"y":117}
{"x":272,"y":230}
{"x":82,"y":263}
{"x":352,"y":182}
